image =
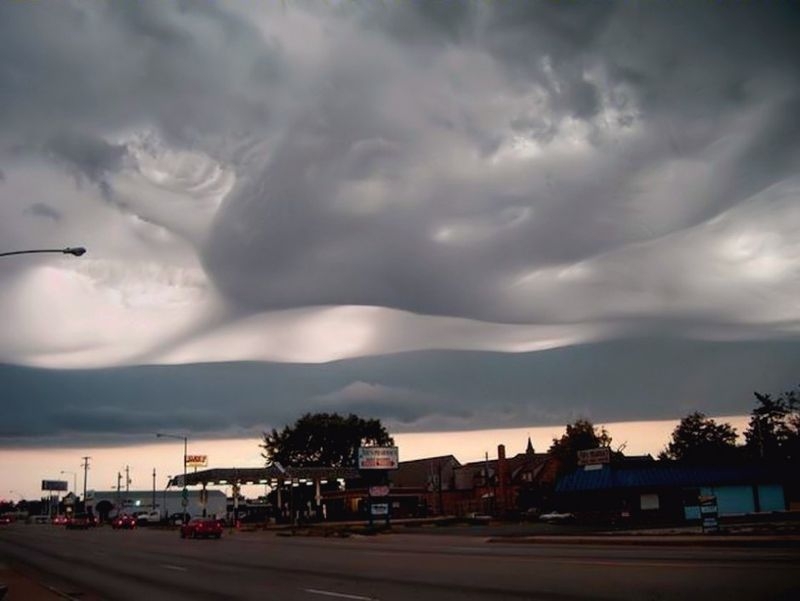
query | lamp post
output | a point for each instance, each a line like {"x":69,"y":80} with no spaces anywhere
{"x":166,"y":511}
{"x":74,"y":481}
{"x":184,"y":493}
{"x":75,"y":251}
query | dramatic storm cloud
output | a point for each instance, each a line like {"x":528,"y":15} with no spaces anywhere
{"x":552,"y":188}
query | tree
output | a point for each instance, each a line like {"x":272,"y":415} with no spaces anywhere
{"x":580,"y":436}
{"x":323,"y":440}
{"x":699,"y":439}
{"x":773,"y":433}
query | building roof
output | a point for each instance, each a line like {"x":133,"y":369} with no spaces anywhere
{"x":667,"y":475}
{"x":421,"y":472}
{"x":263,"y":475}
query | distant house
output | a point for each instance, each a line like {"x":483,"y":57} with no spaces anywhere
{"x":669,"y":491}
{"x":506,"y":485}
{"x":441,"y":485}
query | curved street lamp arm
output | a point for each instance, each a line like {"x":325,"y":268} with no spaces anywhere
{"x":76,"y":251}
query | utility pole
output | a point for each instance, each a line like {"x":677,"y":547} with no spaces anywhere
{"x":85,"y":466}
{"x":154,"y":489}
{"x":119,"y":490}
{"x":127,"y":479}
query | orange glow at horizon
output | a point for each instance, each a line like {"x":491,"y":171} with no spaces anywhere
{"x":22,"y":470}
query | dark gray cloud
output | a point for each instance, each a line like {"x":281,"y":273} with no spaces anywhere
{"x":117,"y":65}
{"x":626,"y":171}
{"x":437,"y":390}
{"x":644,"y":88}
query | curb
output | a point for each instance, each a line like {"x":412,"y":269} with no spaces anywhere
{"x":792,"y":542}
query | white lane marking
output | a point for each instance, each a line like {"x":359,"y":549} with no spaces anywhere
{"x":176,"y":568}
{"x":314,"y":591}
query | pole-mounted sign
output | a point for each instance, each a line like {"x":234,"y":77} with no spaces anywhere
{"x":196,"y":460}
{"x":378,"y":458}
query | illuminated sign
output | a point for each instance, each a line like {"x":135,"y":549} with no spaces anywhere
{"x":197,"y":460}
{"x":378,"y":458}
{"x":380,"y":509}
{"x":594,"y":456}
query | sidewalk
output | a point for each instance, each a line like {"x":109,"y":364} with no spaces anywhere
{"x":21,"y":587}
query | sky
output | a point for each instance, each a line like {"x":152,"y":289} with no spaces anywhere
{"x":452,"y":216}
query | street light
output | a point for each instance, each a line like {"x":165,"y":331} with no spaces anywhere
{"x":74,"y":480}
{"x":185,"y":494}
{"x":166,"y":511}
{"x":75,"y":251}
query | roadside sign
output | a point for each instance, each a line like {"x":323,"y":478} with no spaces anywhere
{"x":197,"y":460}
{"x":380,"y":509}
{"x":596,"y":456}
{"x":709,"y":513}
{"x":378,"y":458}
{"x":381,"y":490}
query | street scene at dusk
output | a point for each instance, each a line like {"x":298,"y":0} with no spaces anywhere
{"x":372,"y":300}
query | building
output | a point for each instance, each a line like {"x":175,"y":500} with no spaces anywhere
{"x":666,"y":491}
{"x":107,"y":504}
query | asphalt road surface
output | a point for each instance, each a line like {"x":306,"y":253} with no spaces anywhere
{"x":155,"y":565}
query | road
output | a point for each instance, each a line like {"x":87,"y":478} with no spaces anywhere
{"x":157,"y":565}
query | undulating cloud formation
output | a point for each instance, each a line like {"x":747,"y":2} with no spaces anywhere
{"x":448,"y":215}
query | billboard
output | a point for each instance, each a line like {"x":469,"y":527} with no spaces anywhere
{"x":378,"y":458}
{"x":196,"y":460}
{"x":55,"y":485}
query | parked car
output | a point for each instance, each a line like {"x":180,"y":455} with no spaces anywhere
{"x":201,"y":528}
{"x":59,"y":520}
{"x":555,"y":517}
{"x":178,"y":519}
{"x":145,"y":518}
{"x":123,"y":522}
{"x":5,"y":519}
{"x":80,"y":521}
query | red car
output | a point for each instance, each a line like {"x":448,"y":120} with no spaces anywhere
{"x":201,"y":528}
{"x":59,"y":520}
{"x":124,"y":522}
{"x":80,"y":521}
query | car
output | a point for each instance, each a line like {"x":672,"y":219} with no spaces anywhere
{"x":556,"y":517}
{"x":123,"y":522}
{"x":59,"y":520}
{"x":178,"y":519}
{"x":5,"y":519}
{"x":80,"y":521}
{"x":145,"y":518}
{"x":201,"y":528}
